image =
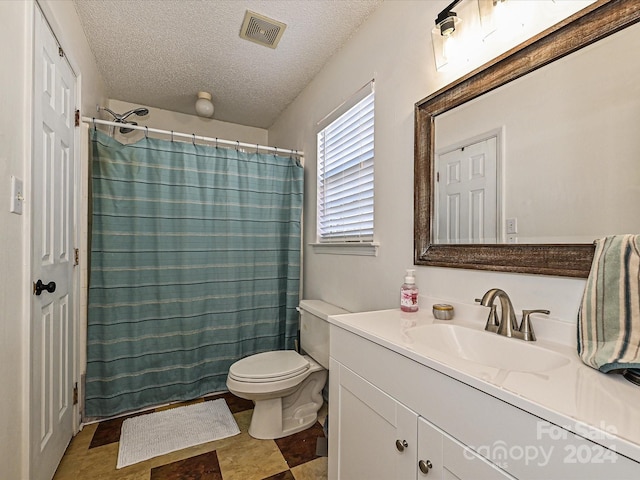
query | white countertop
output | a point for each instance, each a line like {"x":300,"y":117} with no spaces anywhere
{"x":604,"y":408}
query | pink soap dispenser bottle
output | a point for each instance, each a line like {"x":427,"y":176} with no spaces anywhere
{"x":409,"y":293}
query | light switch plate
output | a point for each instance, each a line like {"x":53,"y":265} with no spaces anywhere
{"x":512,"y":225}
{"x":17,"y":196}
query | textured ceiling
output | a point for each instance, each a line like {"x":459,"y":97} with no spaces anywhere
{"x":160,"y":53}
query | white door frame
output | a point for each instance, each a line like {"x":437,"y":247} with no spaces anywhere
{"x":79,"y":193}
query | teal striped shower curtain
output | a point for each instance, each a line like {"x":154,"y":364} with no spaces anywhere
{"x":195,"y":263}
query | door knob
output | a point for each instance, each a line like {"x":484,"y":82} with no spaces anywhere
{"x":38,"y":287}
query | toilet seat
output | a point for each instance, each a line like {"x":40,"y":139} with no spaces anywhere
{"x":269,"y":367}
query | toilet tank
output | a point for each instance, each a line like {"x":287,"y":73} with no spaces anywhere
{"x":314,"y":329}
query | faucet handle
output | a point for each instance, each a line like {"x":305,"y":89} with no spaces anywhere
{"x":492,"y":320}
{"x":526,"y":328}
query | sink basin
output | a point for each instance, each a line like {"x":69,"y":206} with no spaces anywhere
{"x":486,"y":348}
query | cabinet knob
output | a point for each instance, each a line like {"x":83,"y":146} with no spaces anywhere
{"x":401,"y":445}
{"x":425,"y":466}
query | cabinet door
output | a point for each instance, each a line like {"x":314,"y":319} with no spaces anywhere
{"x":376,"y":437}
{"x":449,"y":459}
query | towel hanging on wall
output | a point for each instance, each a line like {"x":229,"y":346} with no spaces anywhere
{"x":609,"y":316}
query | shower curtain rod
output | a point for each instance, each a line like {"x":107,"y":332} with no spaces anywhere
{"x":193,"y":137}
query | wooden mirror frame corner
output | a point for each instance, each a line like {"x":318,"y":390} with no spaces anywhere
{"x":597,"y":21}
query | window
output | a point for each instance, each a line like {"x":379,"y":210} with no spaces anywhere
{"x":345,"y":172}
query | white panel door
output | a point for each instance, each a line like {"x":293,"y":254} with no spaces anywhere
{"x":52,"y":312}
{"x":467,"y":194}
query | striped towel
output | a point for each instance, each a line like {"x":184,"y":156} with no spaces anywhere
{"x":609,"y":316}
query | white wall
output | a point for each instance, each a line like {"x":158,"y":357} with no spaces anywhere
{"x":179,"y":122}
{"x":13,"y":284}
{"x":394,"y":47}
{"x":16,"y":33}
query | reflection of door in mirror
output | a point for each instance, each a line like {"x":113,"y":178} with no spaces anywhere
{"x":570,"y":160}
{"x":467,"y":203}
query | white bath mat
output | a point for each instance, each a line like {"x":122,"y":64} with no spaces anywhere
{"x":155,"y":434}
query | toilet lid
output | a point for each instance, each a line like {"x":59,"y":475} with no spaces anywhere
{"x":269,"y":366}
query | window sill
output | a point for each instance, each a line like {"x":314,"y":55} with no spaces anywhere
{"x":347,"y":248}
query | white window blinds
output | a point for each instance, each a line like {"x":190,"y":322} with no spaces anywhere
{"x":345,"y":175}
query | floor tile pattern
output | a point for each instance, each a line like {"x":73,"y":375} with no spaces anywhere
{"x":202,"y":467}
{"x":300,"y":447}
{"x":92,"y":454}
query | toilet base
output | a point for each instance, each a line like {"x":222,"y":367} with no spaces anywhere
{"x":279,"y":417}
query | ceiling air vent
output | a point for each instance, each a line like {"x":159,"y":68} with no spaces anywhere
{"x":260,"y":29}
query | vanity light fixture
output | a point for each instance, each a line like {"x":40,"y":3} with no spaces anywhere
{"x":502,"y":21}
{"x":447,"y":19}
{"x":446,"y":48}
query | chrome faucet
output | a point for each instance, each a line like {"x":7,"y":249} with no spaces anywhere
{"x":507,"y":325}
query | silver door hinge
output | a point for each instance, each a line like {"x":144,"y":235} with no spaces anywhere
{"x":75,"y":393}
{"x":60,"y":51}
{"x":76,"y":257}
{"x":77,"y":118}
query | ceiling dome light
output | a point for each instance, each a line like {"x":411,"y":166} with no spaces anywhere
{"x":204,"y":107}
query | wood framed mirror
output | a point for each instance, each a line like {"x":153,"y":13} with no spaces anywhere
{"x":598,"y":21}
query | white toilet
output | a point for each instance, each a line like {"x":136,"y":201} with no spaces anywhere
{"x":285,"y":386}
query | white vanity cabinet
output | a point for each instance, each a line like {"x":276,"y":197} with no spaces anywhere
{"x":377,"y":434}
{"x":388,"y":411}
{"x":379,"y":438}
{"x":442,"y":457}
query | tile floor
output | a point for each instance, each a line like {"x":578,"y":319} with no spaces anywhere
{"x":92,"y":454}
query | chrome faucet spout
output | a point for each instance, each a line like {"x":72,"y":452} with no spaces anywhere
{"x":507,"y":324}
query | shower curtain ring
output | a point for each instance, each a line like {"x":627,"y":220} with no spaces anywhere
{"x":257,"y":148}
{"x":146,"y":132}
{"x":194,"y":139}
{"x":237,"y":145}
{"x":172,"y":135}
{"x":216,"y":142}
{"x":94,"y":124}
